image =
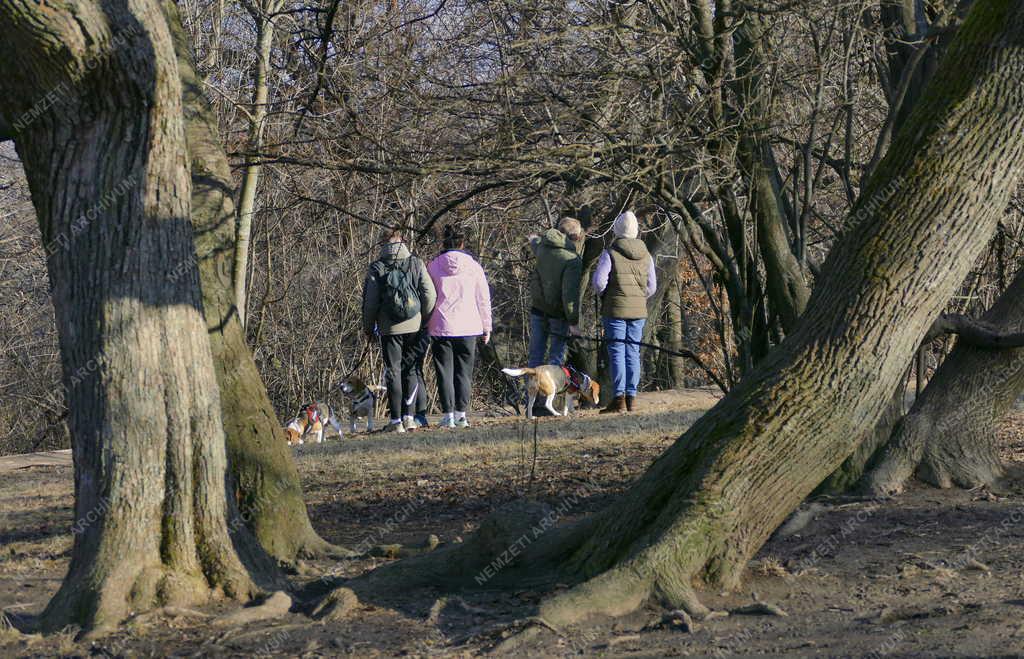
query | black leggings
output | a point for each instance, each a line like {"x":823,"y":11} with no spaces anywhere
{"x":403,"y":360}
{"x":453,"y":360}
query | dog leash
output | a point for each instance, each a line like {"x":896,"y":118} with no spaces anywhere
{"x":359,"y":363}
{"x":684,"y":353}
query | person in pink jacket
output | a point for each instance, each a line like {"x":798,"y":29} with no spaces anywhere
{"x":461,"y":314}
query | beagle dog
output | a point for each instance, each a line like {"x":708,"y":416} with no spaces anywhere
{"x":550,"y":381}
{"x":363,"y":402}
{"x":311,"y":418}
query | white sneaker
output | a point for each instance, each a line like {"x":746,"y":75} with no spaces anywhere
{"x":395,"y":426}
{"x":410,"y":423}
{"x":460,"y":420}
{"x":447,"y":421}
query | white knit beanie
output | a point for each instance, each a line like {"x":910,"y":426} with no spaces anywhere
{"x":626,"y":226}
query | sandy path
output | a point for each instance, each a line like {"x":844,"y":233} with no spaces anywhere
{"x":61,"y":458}
{"x":658,"y":401}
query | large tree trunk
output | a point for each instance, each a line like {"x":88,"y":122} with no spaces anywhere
{"x":106,"y":165}
{"x":710,"y":501}
{"x":948,"y":438}
{"x":260,"y":463}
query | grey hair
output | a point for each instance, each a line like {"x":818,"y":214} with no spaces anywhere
{"x":571,"y":227}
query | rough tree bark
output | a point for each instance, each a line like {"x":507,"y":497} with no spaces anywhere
{"x":712,"y":499}
{"x":262,"y":470}
{"x":94,"y":95}
{"x":948,"y":437}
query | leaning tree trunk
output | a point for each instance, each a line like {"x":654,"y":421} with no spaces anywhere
{"x":99,"y":130}
{"x":262,"y":470}
{"x":712,"y":499}
{"x":948,"y":437}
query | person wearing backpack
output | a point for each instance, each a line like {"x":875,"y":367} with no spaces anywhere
{"x":398,"y":298}
{"x":623,"y":280}
{"x":462,"y":313}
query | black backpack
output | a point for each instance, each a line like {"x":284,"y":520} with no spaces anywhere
{"x":399,"y":298}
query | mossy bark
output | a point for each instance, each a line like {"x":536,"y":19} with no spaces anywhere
{"x":96,"y":94}
{"x":263,"y":474}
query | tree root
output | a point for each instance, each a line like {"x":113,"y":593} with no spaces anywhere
{"x":143,"y":619}
{"x":614,"y":593}
{"x":429,"y":544}
{"x":513,"y":645}
{"x":620,"y":591}
{"x":316,"y":548}
{"x":274,"y":606}
{"x":799,"y":520}
{"x":336,"y":605}
{"x":759,"y":609}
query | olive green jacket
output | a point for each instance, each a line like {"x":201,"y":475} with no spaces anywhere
{"x":555,"y":284}
{"x":374,"y":316}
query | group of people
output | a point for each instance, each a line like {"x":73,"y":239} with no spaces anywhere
{"x":446,"y":305}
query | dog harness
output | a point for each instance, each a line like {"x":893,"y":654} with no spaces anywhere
{"x":575,"y":381}
{"x":362,"y":398}
{"x":312,"y":414}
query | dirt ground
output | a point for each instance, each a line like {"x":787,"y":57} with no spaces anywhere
{"x":933,"y":573}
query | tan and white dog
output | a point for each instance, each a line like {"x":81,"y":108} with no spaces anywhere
{"x":363,"y":402}
{"x":312,"y":418}
{"x":549,"y":381}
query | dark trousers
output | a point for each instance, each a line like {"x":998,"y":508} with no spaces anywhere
{"x":403,"y":362}
{"x":453,"y":360}
{"x":420,"y":355}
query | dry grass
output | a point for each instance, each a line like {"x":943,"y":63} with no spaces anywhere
{"x":770,"y":566}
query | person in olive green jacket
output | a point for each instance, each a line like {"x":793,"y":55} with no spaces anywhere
{"x":623,"y":279}
{"x":555,"y":292}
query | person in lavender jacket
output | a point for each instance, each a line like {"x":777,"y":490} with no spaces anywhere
{"x":624,"y":279}
{"x":461,"y":314}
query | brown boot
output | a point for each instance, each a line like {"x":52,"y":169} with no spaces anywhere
{"x":618,"y":404}
{"x":631,"y":403}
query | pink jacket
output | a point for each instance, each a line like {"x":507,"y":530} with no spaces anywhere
{"x":463,"y":305}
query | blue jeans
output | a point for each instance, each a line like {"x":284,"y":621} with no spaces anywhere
{"x":623,"y":338}
{"x":543,"y":329}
